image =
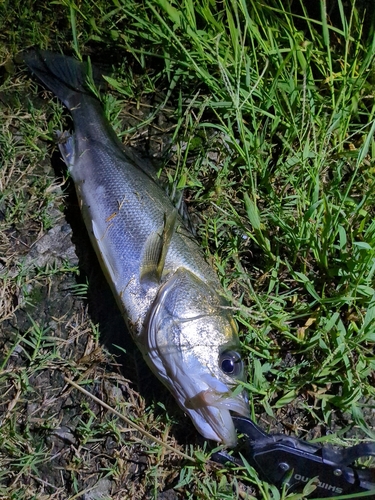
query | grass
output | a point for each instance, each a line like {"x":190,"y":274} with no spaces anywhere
{"x":268,"y":111}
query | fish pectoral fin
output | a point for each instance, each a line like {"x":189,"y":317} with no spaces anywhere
{"x":155,"y":251}
{"x":66,"y":147}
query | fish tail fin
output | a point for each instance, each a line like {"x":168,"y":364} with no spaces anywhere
{"x":65,"y":76}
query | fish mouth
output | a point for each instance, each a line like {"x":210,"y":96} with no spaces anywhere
{"x":211,"y":413}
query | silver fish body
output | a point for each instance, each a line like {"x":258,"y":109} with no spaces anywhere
{"x":170,"y":297}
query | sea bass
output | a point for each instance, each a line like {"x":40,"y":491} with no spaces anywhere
{"x":171,"y":299}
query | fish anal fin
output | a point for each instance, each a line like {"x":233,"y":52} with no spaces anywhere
{"x":155,"y":251}
{"x":108,"y":266}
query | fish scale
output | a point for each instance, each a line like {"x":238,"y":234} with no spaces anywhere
{"x":170,"y":297}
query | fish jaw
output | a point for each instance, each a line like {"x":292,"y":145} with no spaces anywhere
{"x":211,"y":412}
{"x":187,"y":331}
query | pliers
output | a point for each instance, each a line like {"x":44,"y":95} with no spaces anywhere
{"x":281,"y":459}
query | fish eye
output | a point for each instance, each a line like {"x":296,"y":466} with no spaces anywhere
{"x":231,"y":363}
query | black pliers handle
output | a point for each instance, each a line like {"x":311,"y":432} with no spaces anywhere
{"x":281,"y":459}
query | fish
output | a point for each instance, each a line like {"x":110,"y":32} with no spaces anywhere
{"x":172,"y":301}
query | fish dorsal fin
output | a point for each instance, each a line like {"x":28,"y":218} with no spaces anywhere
{"x":155,"y":251}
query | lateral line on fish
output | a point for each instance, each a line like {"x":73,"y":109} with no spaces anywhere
{"x":129,"y":422}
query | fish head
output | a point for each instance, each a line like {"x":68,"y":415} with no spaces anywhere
{"x":193,"y":347}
